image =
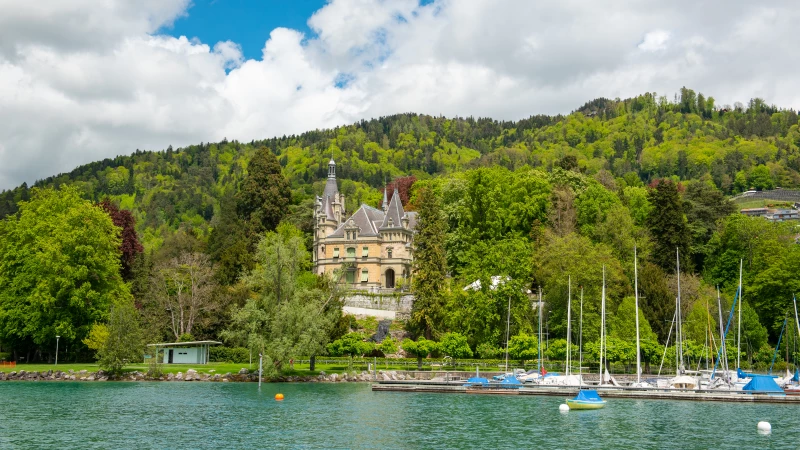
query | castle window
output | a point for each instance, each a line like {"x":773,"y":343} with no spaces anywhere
{"x":336,"y":252}
{"x":351,"y":252}
{"x":365,"y":252}
{"x":364,"y":276}
{"x":389,"y":252}
{"x":350,"y":276}
{"x":391,"y":224}
{"x":348,"y":235}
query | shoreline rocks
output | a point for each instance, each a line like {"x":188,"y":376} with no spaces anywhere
{"x":244,"y":375}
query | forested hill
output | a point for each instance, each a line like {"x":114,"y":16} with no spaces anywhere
{"x":635,"y":140}
{"x":545,"y":201}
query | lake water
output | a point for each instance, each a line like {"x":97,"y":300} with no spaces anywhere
{"x":350,"y":415}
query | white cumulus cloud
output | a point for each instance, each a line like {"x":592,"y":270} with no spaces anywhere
{"x":85,"y":80}
{"x":655,"y":40}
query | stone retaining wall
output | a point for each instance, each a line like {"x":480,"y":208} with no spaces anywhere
{"x":387,"y":302}
{"x":243,"y":375}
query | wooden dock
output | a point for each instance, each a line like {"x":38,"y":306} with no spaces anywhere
{"x":457,"y":387}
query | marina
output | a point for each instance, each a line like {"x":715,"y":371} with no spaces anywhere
{"x":702,"y":395}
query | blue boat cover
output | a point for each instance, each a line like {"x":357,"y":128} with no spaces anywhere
{"x":796,"y":376}
{"x":762,"y":383}
{"x":510,"y":380}
{"x":477,"y":380}
{"x":589,"y":395}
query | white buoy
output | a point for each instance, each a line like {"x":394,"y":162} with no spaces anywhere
{"x":563,"y":408}
{"x":764,"y":427}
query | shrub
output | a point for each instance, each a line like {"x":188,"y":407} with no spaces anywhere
{"x":229,"y":354}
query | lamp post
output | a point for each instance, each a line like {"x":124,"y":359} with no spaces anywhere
{"x":57,"y":338}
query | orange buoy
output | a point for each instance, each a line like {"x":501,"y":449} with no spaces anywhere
{"x":278,"y":397}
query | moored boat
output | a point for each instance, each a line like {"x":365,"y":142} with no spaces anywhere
{"x":586,"y":399}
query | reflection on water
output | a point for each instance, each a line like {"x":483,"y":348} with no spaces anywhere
{"x":348,"y":415}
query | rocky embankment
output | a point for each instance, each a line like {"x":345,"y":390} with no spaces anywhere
{"x":243,"y":375}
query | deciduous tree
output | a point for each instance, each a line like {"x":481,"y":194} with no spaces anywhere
{"x":59,"y":270}
{"x":293,"y":311}
{"x":183,"y":288}
{"x":130,"y":246}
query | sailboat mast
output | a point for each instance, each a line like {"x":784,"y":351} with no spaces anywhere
{"x":796,"y":320}
{"x":580,"y":342}
{"x":679,"y":329}
{"x":722,"y":335}
{"x":508,"y":329}
{"x":602,"y":324}
{"x":636,"y":300}
{"x":540,"y":330}
{"x":739,"y":332}
{"x":569,"y":320}
{"x":677,"y":338}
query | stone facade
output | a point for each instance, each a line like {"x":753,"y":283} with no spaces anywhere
{"x":371,"y":248}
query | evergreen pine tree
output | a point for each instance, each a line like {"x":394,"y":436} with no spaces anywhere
{"x":668,"y":227}
{"x":264,"y":194}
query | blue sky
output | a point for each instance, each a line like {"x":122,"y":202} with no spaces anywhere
{"x":246,"y":22}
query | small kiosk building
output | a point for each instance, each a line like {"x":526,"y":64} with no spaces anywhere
{"x":195,"y":352}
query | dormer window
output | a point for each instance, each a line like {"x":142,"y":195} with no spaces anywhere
{"x":391,"y":223}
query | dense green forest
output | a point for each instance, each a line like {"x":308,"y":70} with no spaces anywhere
{"x":534,"y":200}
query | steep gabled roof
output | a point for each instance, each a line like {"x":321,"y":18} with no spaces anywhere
{"x":395,"y":212}
{"x":365,"y":219}
{"x":330,"y":188}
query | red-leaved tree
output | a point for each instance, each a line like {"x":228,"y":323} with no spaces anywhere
{"x":403,"y":185}
{"x":130,"y":245}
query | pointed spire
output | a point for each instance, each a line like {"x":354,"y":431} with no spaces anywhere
{"x":394,"y":212}
{"x":331,"y":188}
{"x":385,"y":204}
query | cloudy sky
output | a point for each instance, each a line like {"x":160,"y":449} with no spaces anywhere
{"x":82,"y":80}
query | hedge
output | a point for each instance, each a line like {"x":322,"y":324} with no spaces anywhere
{"x":229,"y":354}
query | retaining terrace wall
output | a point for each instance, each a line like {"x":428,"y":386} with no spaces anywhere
{"x":400,"y":304}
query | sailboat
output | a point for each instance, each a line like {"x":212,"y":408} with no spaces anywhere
{"x":639,"y":383}
{"x":589,"y":398}
{"x":568,"y":379}
{"x":681,"y":380}
{"x":728,"y":376}
{"x":792,"y":384}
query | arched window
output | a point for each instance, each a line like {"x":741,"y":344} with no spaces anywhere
{"x":389,"y":252}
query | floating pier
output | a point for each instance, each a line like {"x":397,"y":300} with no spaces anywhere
{"x":705,"y":395}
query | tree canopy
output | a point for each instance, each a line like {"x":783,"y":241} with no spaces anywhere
{"x":59,"y":269}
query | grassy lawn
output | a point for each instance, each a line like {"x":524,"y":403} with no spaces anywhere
{"x":761,"y":203}
{"x":300,"y":369}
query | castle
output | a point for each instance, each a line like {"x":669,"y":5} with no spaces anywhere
{"x":372,"y":247}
